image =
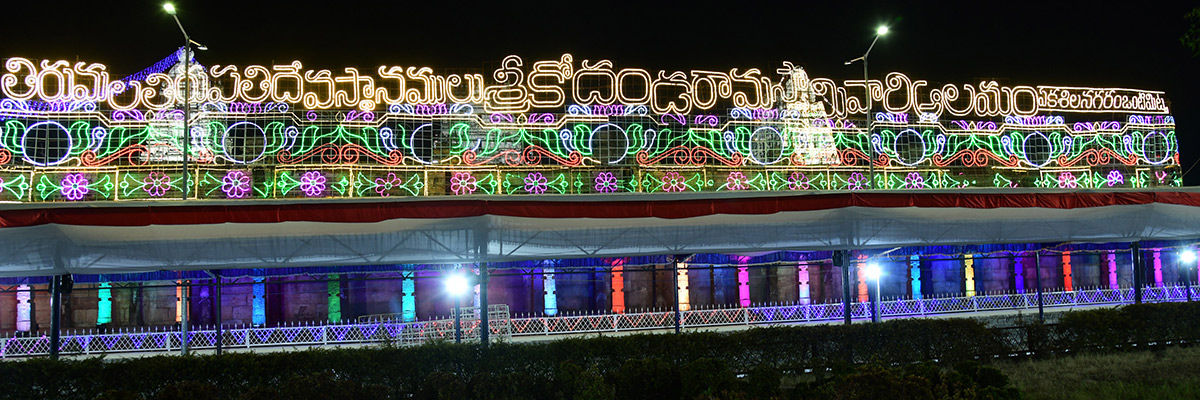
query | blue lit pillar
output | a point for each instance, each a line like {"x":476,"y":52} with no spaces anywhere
{"x":408,"y":302}
{"x":259,"y":304}
{"x":915,"y":270}
{"x":1018,"y":274}
{"x":104,"y":304}
{"x":549,"y":291}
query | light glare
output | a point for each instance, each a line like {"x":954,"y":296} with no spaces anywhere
{"x":1188,"y":256}
{"x":457,"y":284}
{"x":169,"y":7}
{"x":874,"y":272}
{"x":882,"y":30}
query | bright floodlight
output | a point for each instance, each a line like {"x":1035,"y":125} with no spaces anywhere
{"x":457,"y":284}
{"x":873,"y":271}
{"x":882,"y":30}
{"x":169,"y":7}
{"x":1188,"y":256}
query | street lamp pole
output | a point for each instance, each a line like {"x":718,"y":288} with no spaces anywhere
{"x":187,"y":92}
{"x":881,"y":31}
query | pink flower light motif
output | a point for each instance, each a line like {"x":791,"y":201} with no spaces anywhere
{"x":798,"y":181}
{"x":74,"y":187}
{"x":1115,"y":177}
{"x":463,"y":183}
{"x":312,"y":183}
{"x":736,"y":181}
{"x":383,"y":185}
{"x":914,"y":181}
{"x":1067,"y":180}
{"x":235,"y":184}
{"x":606,"y":182}
{"x":535,"y":183}
{"x":673,"y":182}
{"x":856,"y":181}
{"x":157,"y":184}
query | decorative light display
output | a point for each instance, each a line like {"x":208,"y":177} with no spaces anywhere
{"x":70,"y":132}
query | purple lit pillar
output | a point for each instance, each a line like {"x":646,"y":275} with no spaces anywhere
{"x":1018,"y":274}
{"x":803,"y":285}
{"x":743,"y":276}
{"x":1112,"y":270}
{"x":1158,"y":281}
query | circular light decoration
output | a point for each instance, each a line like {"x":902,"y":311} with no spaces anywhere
{"x":1158,"y":144}
{"x":46,"y":128}
{"x":766,"y":145}
{"x":603,"y":131}
{"x":312,"y":183}
{"x":606,"y":182}
{"x":244,"y":132}
{"x":1042,"y":138}
{"x":902,"y":154}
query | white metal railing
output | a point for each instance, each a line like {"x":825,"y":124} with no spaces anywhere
{"x":503,"y":327}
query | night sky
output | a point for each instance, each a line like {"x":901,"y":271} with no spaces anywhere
{"x":1083,"y":43}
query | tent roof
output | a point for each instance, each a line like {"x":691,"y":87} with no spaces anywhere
{"x":108,"y":238}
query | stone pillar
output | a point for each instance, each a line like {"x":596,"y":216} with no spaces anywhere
{"x":549,"y":292}
{"x":1068,"y":282}
{"x":618,"y":286}
{"x":969,"y":274}
{"x":408,"y":298}
{"x":1113,"y":283}
{"x":803,"y":292}
{"x":914,"y":273}
{"x":258,"y":316}
{"x":1158,"y":274}
{"x":681,"y":288}
{"x":333,"y":287}
{"x":743,"y":279}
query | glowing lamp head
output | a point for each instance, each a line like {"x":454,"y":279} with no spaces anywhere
{"x":456,"y":284}
{"x":873,"y":271}
{"x":1188,"y":256}
{"x":169,"y":7}
{"x":881,"y":30}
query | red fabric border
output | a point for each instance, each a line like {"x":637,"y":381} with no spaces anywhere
{"x":354,"y":212}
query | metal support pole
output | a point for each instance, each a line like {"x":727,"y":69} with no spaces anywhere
{"x":183,"y":317}
{"x":1136,"y":252}
{"x":839,"y":259}
{"x":457,"y":319}
{"x":483,"y":305}
{"x":187,"y":114}
{"x":1037,"y":273}
{"x":675,"y":290}
{"x":55,"y":314}
{"x":870,"y":119}
{"x":220,"y":330}
{"x":875,"y":317}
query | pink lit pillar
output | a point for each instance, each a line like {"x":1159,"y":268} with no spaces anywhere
{"x":743,"y":276}
{"x":1112,"y":270}
{"x":1158,"y":268}
{"x":802,"y":278}
{"x":24,"y":308}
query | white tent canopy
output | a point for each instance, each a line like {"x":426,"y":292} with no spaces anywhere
{"x":106,"y":238}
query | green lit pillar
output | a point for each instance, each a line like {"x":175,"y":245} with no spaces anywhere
{"x":335,"y":298}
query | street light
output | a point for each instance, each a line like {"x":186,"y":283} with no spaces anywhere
{"x":882,"y":30}
{"x":187,"y":92}
{"x":874,"y":273}
{"x":1188,"y":257}
{"x":456,"y":286}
